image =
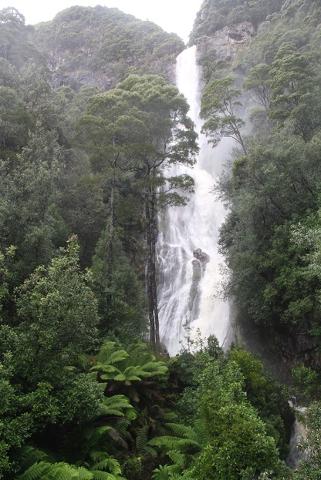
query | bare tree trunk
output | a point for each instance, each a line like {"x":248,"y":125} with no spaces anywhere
{"x":111,"y":222}
{"x":151,"y":274}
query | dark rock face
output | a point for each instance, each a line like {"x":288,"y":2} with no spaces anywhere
{"x":199,"y":265}
{"x":201,"y":256}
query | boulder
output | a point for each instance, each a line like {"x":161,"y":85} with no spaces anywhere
{"x":201,"y":256}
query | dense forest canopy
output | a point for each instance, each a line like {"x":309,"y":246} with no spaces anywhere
{"x":90,"y":125}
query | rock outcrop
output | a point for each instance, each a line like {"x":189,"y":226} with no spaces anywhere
{"x":199,"y":262}
{"x":225,"y":44}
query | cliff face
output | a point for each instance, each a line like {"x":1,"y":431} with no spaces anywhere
{"x":224,"y":27}
{"x":225,"y":44}
{"x":100,"y":46}
{"x":217,"y":14}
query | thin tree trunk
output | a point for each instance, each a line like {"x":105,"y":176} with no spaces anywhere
{"x":151,"y":274}
{"x":111,"y":222}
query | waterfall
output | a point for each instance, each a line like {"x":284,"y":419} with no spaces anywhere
{"x":298,"y":437}
{"x":190,"y":266}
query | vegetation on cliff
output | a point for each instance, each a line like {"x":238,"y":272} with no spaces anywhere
{"x":217,"y":14}
{"x":271,"y":236}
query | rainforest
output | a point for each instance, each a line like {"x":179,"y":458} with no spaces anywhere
{"x":160,"y":245}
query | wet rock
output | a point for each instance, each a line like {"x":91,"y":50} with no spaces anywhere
{"x":298,"y":437}
{"x":201,"y":256}
{"x":199,"y":264}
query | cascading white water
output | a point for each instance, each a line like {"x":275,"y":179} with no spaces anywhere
{"x":189,"y":262}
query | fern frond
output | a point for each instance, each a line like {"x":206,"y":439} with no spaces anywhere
{"x":83,"y":474}
{"x":96,"y":435}
{"x":64,"y":471}
{"x":175,"y":443}
{"x":106,"y":464}
{"x":142,"y":438}
{"x":154,"y":369}
{"x":110,"y":354}
{"x":181,"y":430}
{"x":122,"y":425}
{"x":177,"y":458}
{"x":36,"y":471}
{"x":107,"y":372}
{"x":55,"y":471}
{"x":169,"y":416}
{"x":97,"y":475}
{"x":148,"y":450}
{"x":140,"y":354}
{"x":30,"y":455}
{"x":162,"y":473}
{"x":130,"y":374}
{"x":117,"y":405}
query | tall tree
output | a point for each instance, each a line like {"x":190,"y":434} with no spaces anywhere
{"x":219,"y":110}
{"x":142,"y":128}
{"x":59,"y":318}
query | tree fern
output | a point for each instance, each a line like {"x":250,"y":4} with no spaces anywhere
{"x":102,"y":461}
{"x":106,"y":371}
{"x":98,"y":475}
{"x":168,"y":443}
{"x":65,"y":471}
{"x":30,"y":456}
{"x":111,"y":354}
{"x":116,"y":364}
{"x":162,"y":473}
{"x":182,"y":430}
{"x":141,"y":438}
{"x":181,"y":448}
{"x":55,"y":471}
{"x":95,"y":436}
{"x":37,"y":471}
{"x":130,"y":374}
{"x":117,"y":405}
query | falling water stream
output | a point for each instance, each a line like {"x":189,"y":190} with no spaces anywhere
{"x":190,"y":298}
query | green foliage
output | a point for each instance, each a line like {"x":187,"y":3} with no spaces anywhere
{"x":135,"y":132}
{"x":269,"y":399}
{"x":16,"y":422}
{"x":117,"y":405}
{"x":271,"y":236}
{"x":294,"y":90}
{"x":119,"y":366}
{"x":307,"y":382}
{"x":309,"y":469}
{"x":226,"y":438}
{"x":219,"y":109}
{"x":58,"y":313}
{"x":64,"y":471}
{"x":271,"y":188}
{"x":258,"y":81}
